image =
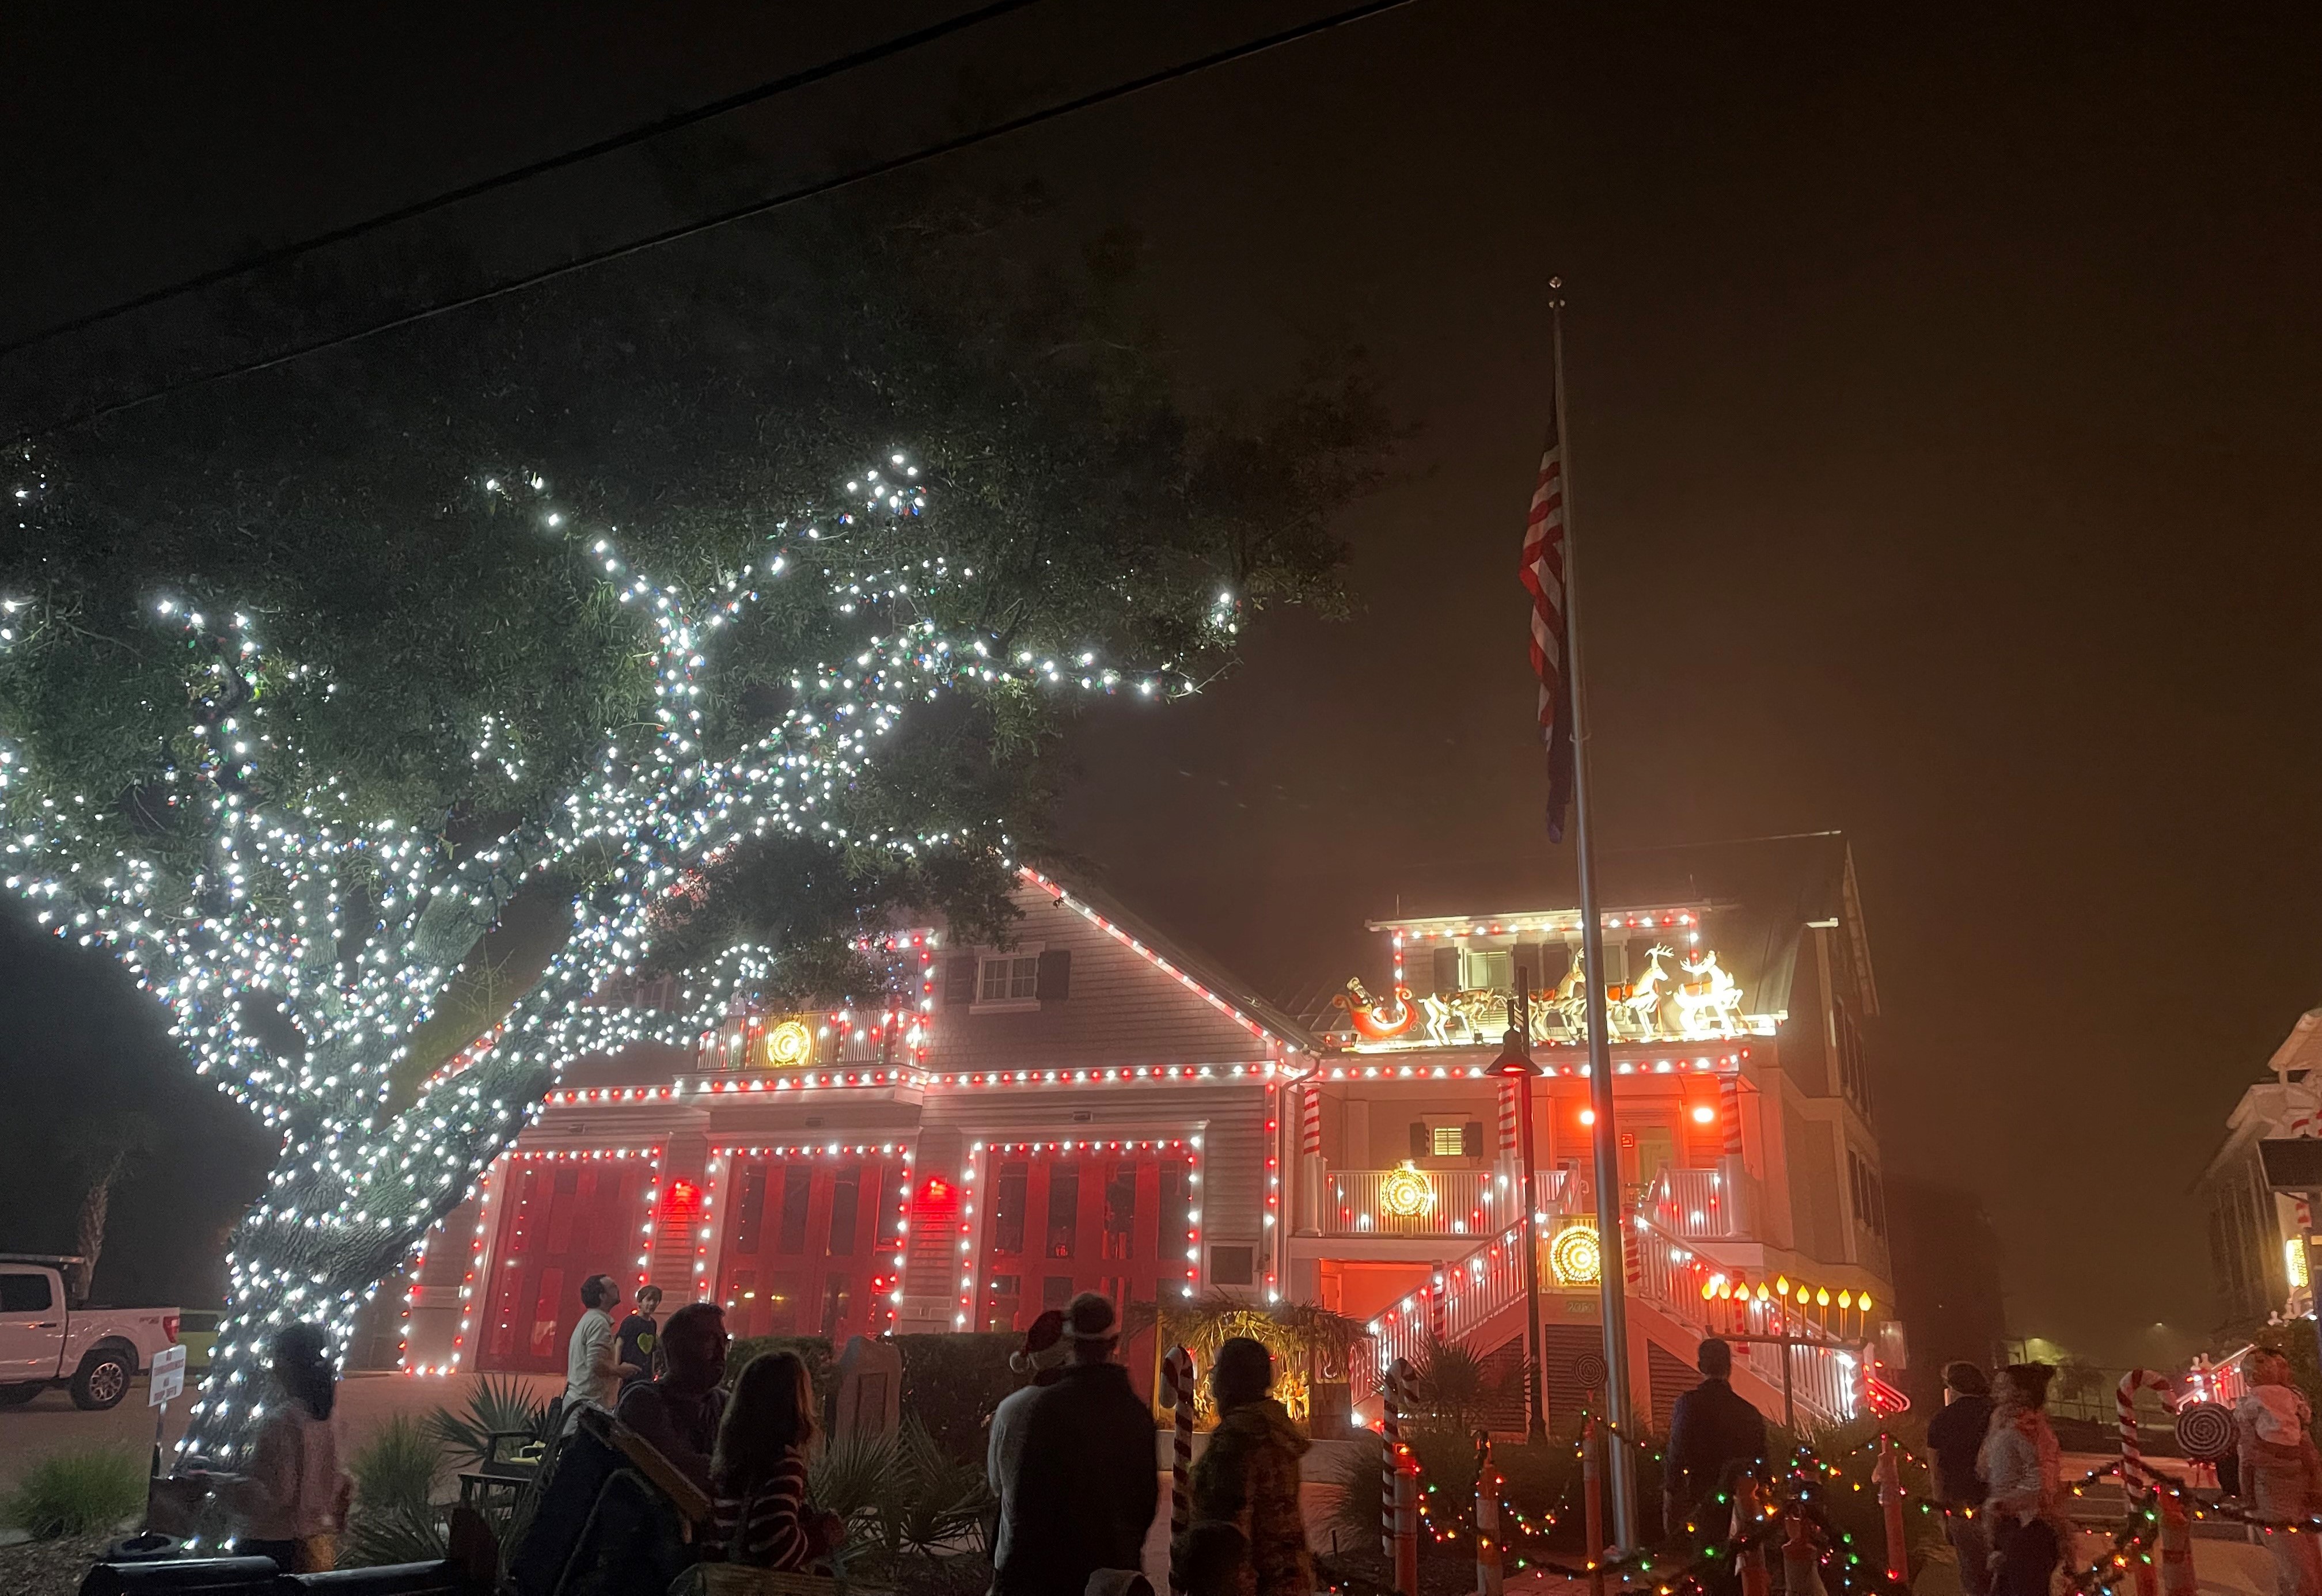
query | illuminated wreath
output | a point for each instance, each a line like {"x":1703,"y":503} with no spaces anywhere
{"x":1407,"y":1193}
{"x":1575,"y":1257}
{"x":790,"y":1045}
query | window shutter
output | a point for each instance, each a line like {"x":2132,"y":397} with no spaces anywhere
{"x":1446,"y":971}
{"x":959,"y":980}
{"x":1471,"y":1139}
{"x":1055,"y":975}
{"x":1421,"y":1146}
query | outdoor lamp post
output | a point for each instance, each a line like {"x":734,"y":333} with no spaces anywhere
{"x":1515,"y":1063}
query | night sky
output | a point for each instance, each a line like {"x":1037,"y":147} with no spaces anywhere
{"x":1945,"y":413}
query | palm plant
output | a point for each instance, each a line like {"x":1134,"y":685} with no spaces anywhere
{"x":934,"y":1502}
{"x":497,"y":1405}
{"x":901,"y":1495}
{"x":1457,"y":1388}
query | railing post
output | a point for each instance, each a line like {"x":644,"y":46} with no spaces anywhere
{"x":1489,"y":1562}
{"x":1749,"y":1512}
{"x":2176,"y":1577}
{"x":1592,"y":1500}
{"x":1890,"y":1503}
{"x":1408,"y":1524}
{"x":1799,"y":1576}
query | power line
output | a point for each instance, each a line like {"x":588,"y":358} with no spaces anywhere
{"x":482,"y":185}
{"x":877,"y":168}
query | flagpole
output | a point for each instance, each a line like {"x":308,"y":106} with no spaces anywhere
{"x":1604,"y":1135}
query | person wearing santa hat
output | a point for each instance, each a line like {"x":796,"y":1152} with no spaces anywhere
{"x":1042,"y":1359}
{"x":1074,"y":1468}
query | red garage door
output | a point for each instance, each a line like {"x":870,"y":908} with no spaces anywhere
{"x":561,"y":1219}
{"x":809,"y":1242}
{"x":1112,"y":1216}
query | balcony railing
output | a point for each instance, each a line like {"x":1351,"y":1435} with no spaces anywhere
{"x":1415,"y":1202}
{"x":1439,"y":1202}
{"x":1703,"y":1205}
{"x":1824,"y":1376}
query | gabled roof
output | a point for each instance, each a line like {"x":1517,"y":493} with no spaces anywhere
{"x":1196,"y":971}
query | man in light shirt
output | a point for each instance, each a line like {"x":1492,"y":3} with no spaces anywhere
{"x":593,"y":1369}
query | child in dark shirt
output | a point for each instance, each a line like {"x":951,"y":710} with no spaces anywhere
{"x":639,"y":1343}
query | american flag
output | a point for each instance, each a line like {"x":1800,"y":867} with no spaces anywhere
{"x":1543,"y":578}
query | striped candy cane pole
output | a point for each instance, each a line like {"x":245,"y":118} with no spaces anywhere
{"x":2133,"y":1476}
{"x":1177,"y":1369}
{"x":1729,"y":1109}
{"x":1392,"y":1398}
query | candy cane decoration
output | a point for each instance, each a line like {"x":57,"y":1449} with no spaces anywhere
{"x":1177,"y":1375}
{"x":1399,"y":1375}
{"x":2134,"y":1474}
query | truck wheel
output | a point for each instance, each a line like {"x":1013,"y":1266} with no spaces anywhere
{"x":16,"y":1396}
{"x":104,"y":1379}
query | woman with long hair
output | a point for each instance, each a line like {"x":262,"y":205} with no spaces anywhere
{"x":758,"y":1474}
{"x":294,"y":1497}
{"x":2022,"y":1468}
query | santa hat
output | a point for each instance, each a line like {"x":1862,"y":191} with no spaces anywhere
{"x":1043,"y":1345}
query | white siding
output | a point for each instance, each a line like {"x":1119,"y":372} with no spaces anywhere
{"x":1123,"y":1009}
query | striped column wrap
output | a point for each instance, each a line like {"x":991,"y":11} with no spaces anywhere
{"x":2302,"y":1124}
{"x":1310,"y":1120}
{"x":1438,"y":1305}
{"x":1393,"y":1394}
{"x":1508,"y":1118}
{"x":1177,"y":1373}
{"x":1633,"y":1252}
{"x":2133,"y":1476}
{"x":1729,"y":1108}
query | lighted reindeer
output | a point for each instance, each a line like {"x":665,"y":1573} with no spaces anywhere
{"x":1644,"y":996}
{"x":1711,"y":1001}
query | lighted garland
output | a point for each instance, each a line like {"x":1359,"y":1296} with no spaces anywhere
{"x":263,"y":924}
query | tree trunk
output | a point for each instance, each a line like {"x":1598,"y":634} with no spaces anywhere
{"x":282,"y":1270}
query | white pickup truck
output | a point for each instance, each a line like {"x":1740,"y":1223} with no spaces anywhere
{"x":93,"y":1351}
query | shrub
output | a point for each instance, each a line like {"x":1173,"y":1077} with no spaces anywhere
{"x":396,"y":1466}
{"x":85,"y":1491}
{"x":951,"y":1384}
{"x":405,"y":1532}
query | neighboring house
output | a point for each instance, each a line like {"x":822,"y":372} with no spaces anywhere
{"x":2256,"y":1250}
{"x":1097,"y":1107}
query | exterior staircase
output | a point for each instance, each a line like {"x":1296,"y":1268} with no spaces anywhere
{"x":1478,"y":1301}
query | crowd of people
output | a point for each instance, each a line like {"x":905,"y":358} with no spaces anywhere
{"x":1072,"y":1460}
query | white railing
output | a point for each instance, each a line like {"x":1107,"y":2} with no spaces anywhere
{"x":1702,"y":1205}
{"x":1824,"y":1376}
{"x":1452,"y":1306}
{"x":1415,"y":1202}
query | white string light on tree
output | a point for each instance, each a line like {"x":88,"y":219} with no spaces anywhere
{"x":311,"y":941}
